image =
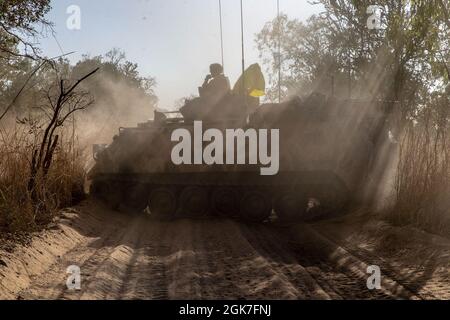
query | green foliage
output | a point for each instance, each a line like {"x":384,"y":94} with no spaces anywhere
{"x":405,"y":60}
{"x":114,"y":66}
{"x":121,"y":94}
{"x":115,"y":71}
{"x":18,"y":22}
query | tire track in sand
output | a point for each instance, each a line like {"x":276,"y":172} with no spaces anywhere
{"x":199,"y":259}
{"x":92,"y":258}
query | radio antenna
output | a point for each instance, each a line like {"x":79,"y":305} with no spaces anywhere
{"x":243,"y":49}
{"x":279,"y":51}
{"x":221,"y":32}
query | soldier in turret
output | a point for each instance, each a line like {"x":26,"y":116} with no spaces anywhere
{"x":216,"y":85}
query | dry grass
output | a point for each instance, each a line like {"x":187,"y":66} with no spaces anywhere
{"x":63,"y":185}
{"x":422,"y":185}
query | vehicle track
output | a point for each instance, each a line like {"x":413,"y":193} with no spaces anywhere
{"x":208,"y":259}
{"x":407,"y":277}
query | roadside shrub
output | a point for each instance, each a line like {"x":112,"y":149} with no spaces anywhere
{"x":422,"y":184}
{"x":22,"y":210}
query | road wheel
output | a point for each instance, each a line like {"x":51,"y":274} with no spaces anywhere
{"x":136,"y":197}
{"x":255,"y":206}
{"x":224,"y":202}
{"x":194,"y":202}
{"x":162,"y":203}
{"x":290,"y":206}
{"x":326,"y":201}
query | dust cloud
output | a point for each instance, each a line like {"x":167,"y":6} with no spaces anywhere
{"x":118,"y":105}
{"x":359,"y":127}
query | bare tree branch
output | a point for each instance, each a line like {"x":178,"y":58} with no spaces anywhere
{"x":16,"y":97}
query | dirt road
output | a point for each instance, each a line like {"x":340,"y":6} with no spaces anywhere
{"x":135,"y":257}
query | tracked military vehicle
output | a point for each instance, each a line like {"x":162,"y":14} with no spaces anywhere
{"x":325,"y":147}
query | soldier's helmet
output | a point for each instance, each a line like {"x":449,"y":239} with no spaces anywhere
{"x":216,"y":69}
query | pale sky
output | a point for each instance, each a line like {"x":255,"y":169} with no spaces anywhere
{"x":174,"y":41}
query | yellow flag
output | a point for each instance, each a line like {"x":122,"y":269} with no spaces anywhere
{"x":254,"y":82}
{"x":257,"y":93}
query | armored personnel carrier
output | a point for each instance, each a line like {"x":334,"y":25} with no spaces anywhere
{"x":325,"y":147}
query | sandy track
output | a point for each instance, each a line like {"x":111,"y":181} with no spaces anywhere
{"x":135,"y":257}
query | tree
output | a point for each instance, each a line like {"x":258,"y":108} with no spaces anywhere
{"x":63,"y":100}
{"x":309,"y":55}
{"x":18,"y":21}
{"x":402,"y":61}
{"x":121,"y":93}
{"x":123,"y":96}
